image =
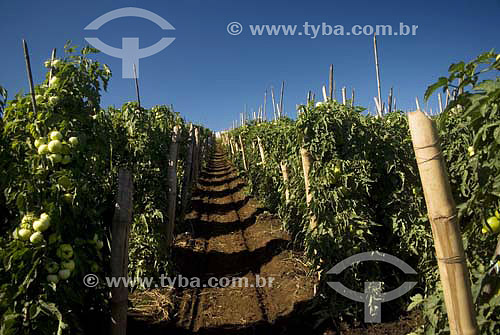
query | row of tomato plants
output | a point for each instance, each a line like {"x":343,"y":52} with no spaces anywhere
{"x":58,"y":172}
{"x":366,"y":192}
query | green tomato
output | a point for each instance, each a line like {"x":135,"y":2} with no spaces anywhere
{"x":24,"y":234}
{"x":27,"y":220}
{"x":39,"y":142}
{"x":15,"y":234}
{"x":53,"y":100}
{"x":53,"y":81}
{"x":65,"y":251}
{"x":43,"y":149}
{"x":55,"y":158}
{"x":64,"y":274}
{"x":52,"y":267}
{"x":41,"y":225}
{"x":56,"y":135}
{"x":36,"y":238}
{"x":55,"y":146}
{"x":494,"y":224}
{"x":70,"y":265}
{"x":497,"y":214}
{"x":53,"y":278}
{"x":73,"y":141}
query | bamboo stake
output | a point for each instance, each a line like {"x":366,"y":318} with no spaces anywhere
{"x":285,"y":171}
{"x":172,"y":185}
{"x":445,"y":229}
{"x":325,"y":97}
{"x":196,"y":155}
{"x":440,"y":103}
{"x":30,"y":76}
{"x":243,"y":154}
{"x":121,"y":223}
{"x":344,"y":96}
{"x":137,"y":87}
{"x":331,"y":82}
{"x":52,"y":58}
{"x":352,"y":98}
{"x":261,"y":150}
{"x":274,"y":103}
{"x":389,"y":101}
{"x":306,"y":166}
{"x":282,"y":110}
{"x":265,"y":105}
{"x":377,"y":69}
{"x":448,"y":98}
{"x":188,"y":168}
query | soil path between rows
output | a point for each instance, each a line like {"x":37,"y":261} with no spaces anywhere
{"x":235,"y":239}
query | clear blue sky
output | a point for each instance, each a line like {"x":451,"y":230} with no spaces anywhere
{"x":208,"y":75}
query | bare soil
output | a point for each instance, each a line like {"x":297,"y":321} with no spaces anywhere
{"x":233,"y":237}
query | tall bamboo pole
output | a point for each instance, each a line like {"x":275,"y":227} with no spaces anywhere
{"x":285,"y":171}
{"x":330,"y":81}
{"x":52,"y":58}
{"x":282,"y":110}
{"x":440,"y":103}
{"x":137,"y":87}
{"x":274,"y":103}
{"x":445,"y":229}
{"x":120,"y":228}
{"x":265,"y":105}
{"x":261,"y":151}
{"x":30,"y":76}
{"x":306,"y":167}
{"x":377,"y":69}
{"x":243,"y":153}
{"x":344,"y":96}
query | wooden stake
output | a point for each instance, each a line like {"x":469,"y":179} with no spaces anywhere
{"x":282,"y":111}
{"x":274,"y":104}
{"x":389,"y":101}
{"x":137,"y":87}
{"x":325,"y":97}
{"x":52,"y":58}
{"x":265,"y":105}
{"x":122,"y":220}
{"x":30,"y":77}
{"x":243,"y":154}
{"x":377,"y":69}
{"x":440,"y":103}
{"x":331,"y":82}
{"x":196,"y":155}
{"x":261,"y":150}
{"x":352,"y":98}
{"x":172,"y":185}
{"x":285,"y":171}
{"x":344,"y":96}
{"x":445,"y":229}
{"x":306,"y":166}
